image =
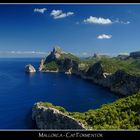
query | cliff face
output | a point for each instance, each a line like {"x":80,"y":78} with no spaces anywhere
{"x":135,"y":54}
{"x":124,"y":83}
{"x":59,"y":61}
{"x":96,"y":71}
{"x":51,"y":118}
{"x":119,"y":82}
{"x":54,"y":55}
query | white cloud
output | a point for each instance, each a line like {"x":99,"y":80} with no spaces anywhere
{"x":100,"y":20}
{"x":121,"y":22}
{"x":40,"y":10}
{"x":70,"y":13}
{"x":104,"y":36}
{"x":57,"y":14}
{"x":96,"y":20}
{"x":22,"y":52}
{"x":127,"y":22}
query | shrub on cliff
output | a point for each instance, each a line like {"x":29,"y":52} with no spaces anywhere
{"x":51,"y":66}
{"x":122,"y":114}
{"x":46,"y":104}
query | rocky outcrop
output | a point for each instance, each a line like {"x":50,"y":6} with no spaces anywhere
{"x":135,"y":54}
{"x":54,"y":55}
{"x":96,"y":71}
{"x":64,"y":62}
{"x":29,"y":68}
{"x":124,"y":83}
{"x":123,"y":56}
{"x":41,"y":66}
{"x":69,"y":71}
{"x":119,"y":82}
{"x":51,"y":118}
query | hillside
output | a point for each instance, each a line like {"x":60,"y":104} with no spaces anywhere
{"x":119,"y":74}
{"x":58,"y":60}
{"x":121,"y":114}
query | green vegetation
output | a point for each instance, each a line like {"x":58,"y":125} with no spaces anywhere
{"x":111,"y":65}
{"x":121,"y":114}
{"x":51,"y":66}
{"x":46,"y":104}
{"x":69,"y":56}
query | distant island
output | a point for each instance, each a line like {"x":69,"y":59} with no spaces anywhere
{"x":119,"y":74}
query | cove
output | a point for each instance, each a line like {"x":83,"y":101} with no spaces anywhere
{"x":19,"y":91}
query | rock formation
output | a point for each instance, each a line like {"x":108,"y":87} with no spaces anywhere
{"x":54,"y":55}
{"x":96,"y":71}
{"x":135,"y":54}
{"x":119,"y":82}
{"x":61,"y":61}
{"x":29,"y":68}
{"x":41,"y":64}
{"x":124,"y":83}
{"x":123,"y":56}
{"x":51,"y":118}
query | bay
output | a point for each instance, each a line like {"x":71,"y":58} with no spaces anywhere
{"x":19,"y":91}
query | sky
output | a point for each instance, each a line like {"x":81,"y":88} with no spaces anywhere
{"x":32,"y":30}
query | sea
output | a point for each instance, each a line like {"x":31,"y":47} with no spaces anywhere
{"x":19,"y":91}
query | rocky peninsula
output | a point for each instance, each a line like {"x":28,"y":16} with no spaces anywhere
{"x":51,"y":117}
{"x":120,"y":80}
{"x":119,"y":74}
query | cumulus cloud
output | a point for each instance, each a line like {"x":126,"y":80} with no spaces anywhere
{"x":101,"y":20}
{"x":104,"y":36}
{"x":40,"y":10}
{"x":57,"y":14}
{"x":96,"y":20}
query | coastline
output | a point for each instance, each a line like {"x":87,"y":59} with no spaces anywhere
{"x":49,"y":71}
{"x":104,"y":83}
{"x":119,"y":81}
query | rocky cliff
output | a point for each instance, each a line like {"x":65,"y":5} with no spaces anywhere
{"x":119,"y":81}
{"x":124,"y":83}
{"x":59,"y":61}
{"x":135,"y":54}
{"x":51,"y":118}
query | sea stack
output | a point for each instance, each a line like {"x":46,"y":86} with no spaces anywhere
{"x":29,"y":68}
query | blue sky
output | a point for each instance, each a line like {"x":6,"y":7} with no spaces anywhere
{"x":32,"y":30}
